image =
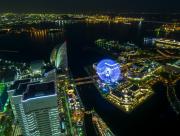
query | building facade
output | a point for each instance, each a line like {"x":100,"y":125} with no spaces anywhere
{"x":11,"y":92}
{"x":40,"y":108}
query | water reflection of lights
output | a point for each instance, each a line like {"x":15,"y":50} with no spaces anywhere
{"x":43,"y":34}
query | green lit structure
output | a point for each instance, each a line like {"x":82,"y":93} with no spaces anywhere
{"x":58,"y":57}
{"x":3,"y":96}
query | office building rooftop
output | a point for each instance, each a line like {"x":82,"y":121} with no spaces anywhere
{"x":22,"y":88}
{"x":39,"y":90}
{"x":17,"y":82}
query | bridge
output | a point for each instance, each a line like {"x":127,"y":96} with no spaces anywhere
{"x":85,"y":80}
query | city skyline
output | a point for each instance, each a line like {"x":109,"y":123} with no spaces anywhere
{"x":89,"y":68}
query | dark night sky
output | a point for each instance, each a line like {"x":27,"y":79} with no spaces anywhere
{"x":88,"y":5}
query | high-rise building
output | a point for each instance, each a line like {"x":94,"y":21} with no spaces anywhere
{"x":11,"y":92}
{"x":16,"y":98}
{"x":59,"y":56}
{"x":41,"y":109}
{"x":62,"y":59}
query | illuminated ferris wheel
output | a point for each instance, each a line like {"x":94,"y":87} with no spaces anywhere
{"x":108,"y":70}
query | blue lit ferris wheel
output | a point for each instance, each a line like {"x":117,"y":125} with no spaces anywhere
{"x":108,"y":70}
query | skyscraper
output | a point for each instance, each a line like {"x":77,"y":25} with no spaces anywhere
{"x":16,"y":98}
{"x":61,"y":60}
{"x":59,"y":56}
{"x":40,"y":108}
{"x":11,"y":92}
